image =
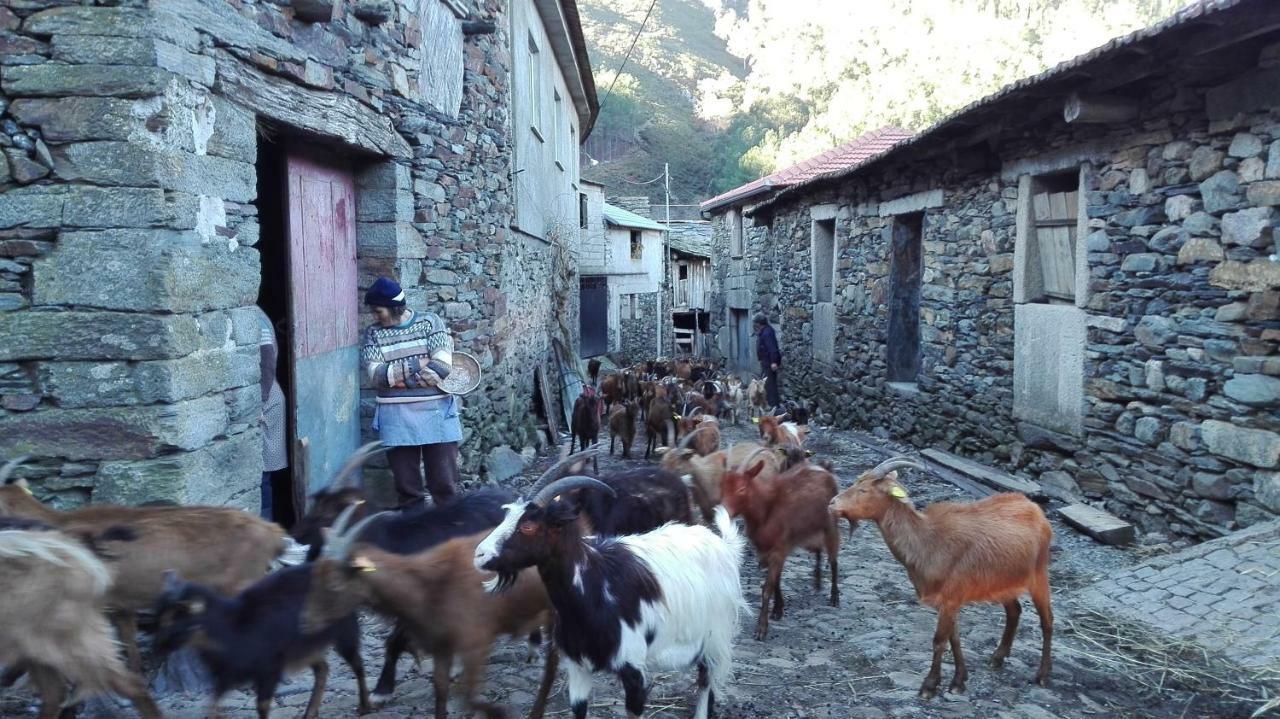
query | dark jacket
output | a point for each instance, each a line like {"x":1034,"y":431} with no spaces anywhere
{"x":767,"y":348}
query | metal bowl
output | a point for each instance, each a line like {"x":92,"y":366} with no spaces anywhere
{"x":464,"y":376}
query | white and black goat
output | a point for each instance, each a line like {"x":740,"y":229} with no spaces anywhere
{"x":666,"y":599}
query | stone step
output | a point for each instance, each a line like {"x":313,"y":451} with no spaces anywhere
{"x":1102,"y":526}
{"x":992,"y":477}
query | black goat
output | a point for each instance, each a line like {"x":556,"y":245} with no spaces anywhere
{"x":644,"y":499}
{"x":256,"y":636}
{"x":586,"y":422}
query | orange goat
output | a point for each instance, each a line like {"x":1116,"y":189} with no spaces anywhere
{"x":992,"y":550}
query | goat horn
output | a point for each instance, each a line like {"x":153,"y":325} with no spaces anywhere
{"x":747,"y":461}
{"x":684,"y":441}
{"x":891,"y":464}
{"x":11,"y":465}
{"x":357,"y":460}
{"x":566,"y":484}
{"x":562,"y":463}
{"x":342,"y":539}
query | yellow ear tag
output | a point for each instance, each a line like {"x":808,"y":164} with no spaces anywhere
{"x":755,"y":420}
{"x":363,"y":564}
{"x":26,"y":489}
{"x":677,"y":416}
{"x":898,"y":492}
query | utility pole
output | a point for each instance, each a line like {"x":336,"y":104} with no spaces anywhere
{"x":666,"y":256}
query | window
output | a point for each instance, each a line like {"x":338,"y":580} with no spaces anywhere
{"x":684,"y":271}
{"x":557,"y":145}
{"x":637,"y":244}
{"x":582,"y":210}
{"x":1051,"y":242}
{"x":624,"y":307}
{"x":533,"y":68}
{"x":735,"y":232}
{"x":824,"y":251}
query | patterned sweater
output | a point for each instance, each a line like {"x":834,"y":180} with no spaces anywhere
{"x":393,"y":357}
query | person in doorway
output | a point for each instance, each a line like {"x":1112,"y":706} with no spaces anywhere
{"x":770,"y":359}
{"x":275,"y":456}
{"x":406,"y":356}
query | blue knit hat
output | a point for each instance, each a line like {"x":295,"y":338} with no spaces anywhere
{"x":385,"y":292}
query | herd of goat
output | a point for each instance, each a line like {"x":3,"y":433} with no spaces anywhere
{"x":611,"y":572}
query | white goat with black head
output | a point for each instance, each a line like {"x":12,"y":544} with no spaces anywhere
{"x":663,"y":600}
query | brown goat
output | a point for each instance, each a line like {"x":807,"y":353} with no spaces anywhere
{"x":660,"y":422}
{"x":777,"y":432}
{"x":622,"y":425}
{"x":783,"y":513}
{"x":613,"y":389}
{"x":703,"y":474}
{"x":441,"y":600}
{"x":223,"y":549}
{"x":992,"y":550}
{"x":51,"y":622}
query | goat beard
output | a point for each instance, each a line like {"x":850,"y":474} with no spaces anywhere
{"x":501,"y":583}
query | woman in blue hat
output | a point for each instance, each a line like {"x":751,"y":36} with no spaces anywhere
{"x":406,"y":355}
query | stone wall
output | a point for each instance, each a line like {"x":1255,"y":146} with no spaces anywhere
{"x":1181,"y":373}
{"x":747,"y":283}
{"x":638,"y":337}
{"x":129,"y":220}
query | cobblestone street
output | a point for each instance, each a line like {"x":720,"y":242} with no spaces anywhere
{"x":864,"y":659}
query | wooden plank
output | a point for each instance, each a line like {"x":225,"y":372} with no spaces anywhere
{"x":974,"y":489}
{"x":1102,"y":526}
{"x":1063,"y":261}
{"x":1048,"y":259}
{"x":1040,"y":206}
{"x":1058,"y":206}
{"x":981,"y":472}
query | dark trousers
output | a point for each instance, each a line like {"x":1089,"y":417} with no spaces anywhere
{"x":266,"y":497}
{"x":771,"y":393}
{"x":441,"y":463}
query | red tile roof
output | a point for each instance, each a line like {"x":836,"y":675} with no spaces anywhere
{"x":841,"y":157}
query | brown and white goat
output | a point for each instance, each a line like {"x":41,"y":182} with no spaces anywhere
{"x":51,"y":622}
{"x":735,"y":397}
{"x":223,"y":549}
{"x":440,"y":599}
{"x":992,"y":550}
{"x":757,"y":398}
{"x":775,"y":431}
{"x":784,"y":512}
{"x":703,"y":474}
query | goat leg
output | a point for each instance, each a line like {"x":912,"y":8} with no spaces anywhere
{"x":833,"y":558}
{"x":52,"y":689}
{"x":396,"y":644}
{"x":442,"y":667}
{"x":1012,"y":612}
{"x":350,"y":653}
{"x":473,"y":664}
{"x":767,"y":589}
{"x":321,"y":671}
{"x":817,"y":569}
{"x":127,"y":626}
{"x":1040,"y":598}
{"x":548,"y":678}
{"x":634,"y":688}
{"x":941,"y":637}
{"x":962,"y":672}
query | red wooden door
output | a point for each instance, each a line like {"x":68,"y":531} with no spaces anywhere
{"x":323,"y":299}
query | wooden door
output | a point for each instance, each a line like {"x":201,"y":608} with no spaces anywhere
{"x":323,"y":313}
{"x":593,"y":315}
{"x":903,"y":346}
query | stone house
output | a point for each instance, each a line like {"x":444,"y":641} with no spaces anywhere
{"x":688,"y":288}
{"x":620,"y":268}
{"x":1076,"y":277}
{"x":171,"y":163}
{"x":742,"y":278}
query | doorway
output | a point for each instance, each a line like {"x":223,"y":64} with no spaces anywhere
{"x":903,"y":346}
{"x":306,"y":207}
{"x":593,"y":315}
{"x":740,"y":339}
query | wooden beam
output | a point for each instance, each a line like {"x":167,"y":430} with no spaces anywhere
{"x":1101,"y":109}
{"x":1257,"y":20}
{"x":1100,"y":525}
{"x":986,"y":475}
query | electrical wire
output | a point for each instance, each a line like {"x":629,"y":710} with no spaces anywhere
{"x":628,"y":55}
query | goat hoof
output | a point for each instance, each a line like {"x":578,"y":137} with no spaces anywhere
{"x":927,"y":693}
{"x":835,"y":600}
{"x":377,"y":701}
{"x":762,"y":634}
{"x":997,"y":662}
{"x":1042,"y":680}
{"x":957,"y":686}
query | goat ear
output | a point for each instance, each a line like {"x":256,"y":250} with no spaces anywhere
{"x":756,"y":469}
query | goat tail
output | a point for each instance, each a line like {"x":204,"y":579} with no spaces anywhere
{"x":729,"y":533}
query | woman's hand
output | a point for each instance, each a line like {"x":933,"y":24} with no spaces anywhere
{"x":429,"y":377}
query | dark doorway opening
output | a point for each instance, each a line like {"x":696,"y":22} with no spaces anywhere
{"x":903,"y":347}
{"x":593,"y":315}
{"x":740,"y":339}
{"x":273,"y":296}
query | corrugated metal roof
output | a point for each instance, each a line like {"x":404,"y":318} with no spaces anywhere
{"x":1193,"y":11}
{"x":842,"y":156}
{"x":619,"y":217}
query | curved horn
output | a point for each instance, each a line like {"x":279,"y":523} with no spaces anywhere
{"x":893,"y":463}
{"x":684,"y":441}
{"x":7,"y":470}
{"x":342,"y":539}
{"x":344,"y":477}
{"x":564,"y":462}
{"x":567,"y":484}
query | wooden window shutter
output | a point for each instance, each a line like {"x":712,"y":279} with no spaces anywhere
{"x":1055,"y":229}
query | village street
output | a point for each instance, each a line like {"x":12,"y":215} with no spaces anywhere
{"x":864,"y":659}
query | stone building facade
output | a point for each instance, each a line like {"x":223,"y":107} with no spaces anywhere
{"x":1076,"y":278}
{"x":151,"y":193}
